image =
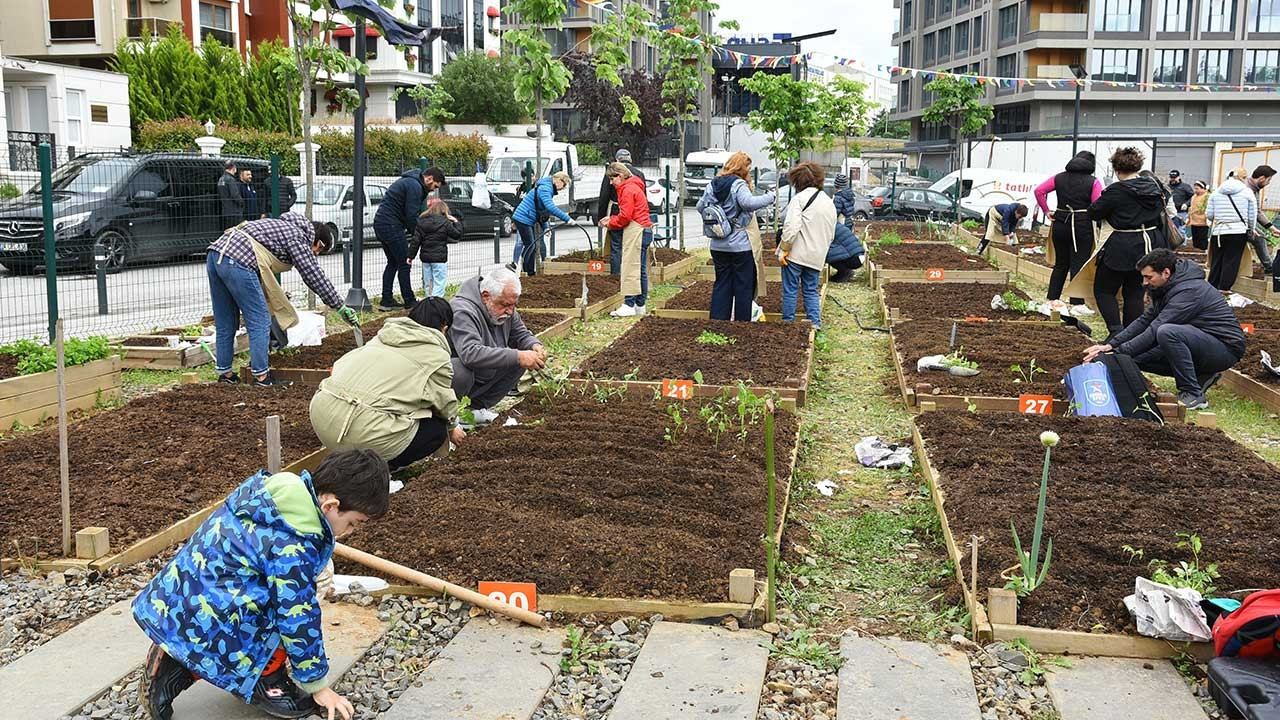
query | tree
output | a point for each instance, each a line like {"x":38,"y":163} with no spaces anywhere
{"x":883,"y":127}
{"x":791,"y":112}
{"x":482,"y":90}
{"x":684,"y":62}
{"x":843,"y":108}
{"x":600,"y":101}
{"x":540,"y":77}
{"x":433,"y":103}
{"x":958,"y":104}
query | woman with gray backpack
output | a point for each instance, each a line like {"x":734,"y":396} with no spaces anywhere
{"x":726,"y":208}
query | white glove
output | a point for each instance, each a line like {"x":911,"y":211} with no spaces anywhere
{"x":324,"y":581}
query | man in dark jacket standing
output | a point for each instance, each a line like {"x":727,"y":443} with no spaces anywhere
{"x":230,"y":199}
{"x":491,"y":346}
{"x":1189,"y":332}
{"x":288,"y":193}
{"x":606,"y":206}
{"x":396,"y":218}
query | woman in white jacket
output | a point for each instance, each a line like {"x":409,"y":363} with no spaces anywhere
{"x":1231,"y":211}
{"x":806,"y":236}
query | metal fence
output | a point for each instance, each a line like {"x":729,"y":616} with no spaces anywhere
{"x":129,"y":234}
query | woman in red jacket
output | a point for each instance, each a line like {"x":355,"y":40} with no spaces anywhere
{"x":632,"y":219}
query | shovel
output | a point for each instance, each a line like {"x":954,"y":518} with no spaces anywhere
{"x":358,"y":335}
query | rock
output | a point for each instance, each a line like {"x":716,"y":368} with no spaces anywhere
{"x":619,"y":627}
{"x":772,"y":628}
{"x":779,"y":686}
{"x":730,"y":623}
{"x":56,"y":579}
{"x":1012,"y":658}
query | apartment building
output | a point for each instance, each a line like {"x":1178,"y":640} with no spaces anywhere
{"x":1229,"y":42}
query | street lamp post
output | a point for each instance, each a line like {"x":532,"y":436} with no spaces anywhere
{"x":1079,"y":71}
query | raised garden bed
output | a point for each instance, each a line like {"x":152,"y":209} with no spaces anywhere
{"x":668,"y":264}
{"x":766,"y":356}
{"x":908,"y":231}
{"x":1249,"y":378}
{"x":548,"y":325}
{"x":694,"y":303}
{"x":172,"y":349}
{"x":32,"y":399}
{"x":906,"y":300}
{"x":772,"y":269}
{"x":1260,"y":316}
{"x":563,"y":294}
{"x":605,"y":508}
{"x":931,"y":261}
{"x":1113,"y":482}
{"x":1034,"y":266}
{"x":149,"y":465}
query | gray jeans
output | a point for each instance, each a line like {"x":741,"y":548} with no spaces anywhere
{"x":1259,"y":242}
{"x":484,"y":387}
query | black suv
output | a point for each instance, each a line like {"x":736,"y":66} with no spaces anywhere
{"x":137,"y":206}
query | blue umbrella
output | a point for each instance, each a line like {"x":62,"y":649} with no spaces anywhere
{"x":397,"y":32}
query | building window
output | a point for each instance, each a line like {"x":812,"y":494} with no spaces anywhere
{"x":977,"y":32}
{"x":1119,"y":16}
{"x":71,"y":20}
{"x":1170,"y":66}
{"x":1007,"y":65}
{"x":928,"y":10}
{"x":1262,"y":67}
{"x":944,"y":7}
{"x":452,"y":18}
{"x":348,"y":44}
{"x":929,"y":47}
{"x":1118,"y":65}
{"x":425,"y":64}
{"x":962,"y":38}
{"x":962,"y":5}
{"x":477,"y":23}
{"x":907,"y":10}
{"x":944,"y":43}
{"x":1015,"y":119}
{"x":215,"y":22}
{"x":75,"y":117}
{"x":904,"y":54}
{"x":1174,"y":16}
{"x":1218,"y":16}
{"x":904,"y":94}
{"x":1264,"y":16}
{"x":1215,"y":67}
{"x":1008,"y":23}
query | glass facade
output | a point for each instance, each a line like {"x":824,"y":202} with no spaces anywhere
{"x":1218,"y":16}
{"x":1215,"y":66}
{"x":1170,"y":66}
{"x":1119,"y":64}
{"x":1119,"y":16}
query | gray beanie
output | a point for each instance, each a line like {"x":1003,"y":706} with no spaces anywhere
{"x":842,"y":181}
{"x":623,"y":155}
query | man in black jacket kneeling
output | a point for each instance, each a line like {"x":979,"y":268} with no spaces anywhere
{"x":1189,"y":332}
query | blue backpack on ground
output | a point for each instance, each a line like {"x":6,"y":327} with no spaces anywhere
{"x":1089,"y":390}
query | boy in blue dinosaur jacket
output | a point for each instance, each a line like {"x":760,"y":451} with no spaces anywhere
{"x":240,"y":597}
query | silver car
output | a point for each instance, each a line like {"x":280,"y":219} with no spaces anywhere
{"x":861,"y":204}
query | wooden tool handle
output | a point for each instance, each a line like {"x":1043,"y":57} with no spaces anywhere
{"x":420,"y":578}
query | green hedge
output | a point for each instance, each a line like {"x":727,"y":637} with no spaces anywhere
{"x":181,"y":134}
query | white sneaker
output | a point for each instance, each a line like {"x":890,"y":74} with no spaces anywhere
{"x":640,"y":311}
{"x":484,"y":416}
{"x":624,"y":311}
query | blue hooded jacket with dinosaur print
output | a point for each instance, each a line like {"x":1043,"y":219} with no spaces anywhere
{"x":243,"y":585}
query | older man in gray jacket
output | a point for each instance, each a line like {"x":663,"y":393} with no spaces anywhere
{"x":491,"y":346}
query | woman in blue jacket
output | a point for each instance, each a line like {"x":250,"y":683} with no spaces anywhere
{"x":538,"y":205}
{"x":845,"y":254}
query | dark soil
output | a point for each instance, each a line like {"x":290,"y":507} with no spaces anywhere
{"x":907,"y":230}
{"x":336,"y":344}
{"x":911,"y":256}
{"x":1112,"y":482}
{"x":8,"y":367}
{"x":537,"y":322}
{"x":1251,"y":363}
{"x":698,"y":297}
{"x":149,"y":464}
{"x":662,"y":256}
{"x":767,"y":354}
{"x":146,"y":341}
{"x":604,"y":507}
{"x":668,"y":256}
{"x":560,"y":291}
{"x":957,"y":300}
{"x":1262,"y":317}
{"x":995,"y":347}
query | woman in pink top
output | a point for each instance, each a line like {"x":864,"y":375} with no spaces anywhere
{"x":1075,"y":189}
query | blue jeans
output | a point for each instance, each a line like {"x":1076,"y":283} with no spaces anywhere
{"x":615,"y":251}
{"x":800,"y":279}
{"x":524,"y":240}
{"x":638,"y":300}
{"x":434,"y":278}
{"x":236,"y":290}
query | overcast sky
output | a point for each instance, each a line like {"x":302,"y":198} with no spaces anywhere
{"x":863,"y":27}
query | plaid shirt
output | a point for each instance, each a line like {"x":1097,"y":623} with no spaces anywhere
{"x":289,"y":238}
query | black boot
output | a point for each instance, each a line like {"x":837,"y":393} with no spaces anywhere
{"x":278,"y":695}
{"x":842,"y":275}
{"x":163,"y":679}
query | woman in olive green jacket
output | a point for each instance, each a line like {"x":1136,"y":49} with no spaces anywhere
{"x":394,"y":395}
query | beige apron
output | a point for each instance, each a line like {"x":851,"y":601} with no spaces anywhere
{"x":1244,"y":272}
{"x":268,"y":265}
{"x":995,"y":226}
{"x":1081,"y":286}
{"x":632,"y":244}
{"x":757,"y":254}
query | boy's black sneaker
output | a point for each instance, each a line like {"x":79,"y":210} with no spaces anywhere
{"x":270,"y":380}
{"x":163,"y":679}
{"x":279,"y":696}
{"x":229,"y":378}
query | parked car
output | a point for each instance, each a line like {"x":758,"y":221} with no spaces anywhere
{"x":657,"y":195}
{"x":911,"y":202}
{"x":138,"y":207}
{"x":769,"y":179}
{"x":333,"y":203}
{"x":861,"y":204}
{"x":477,"y":222}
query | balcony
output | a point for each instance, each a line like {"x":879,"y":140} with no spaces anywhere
{"x":1060,"y":22}
{"x":1054,"y":72}
{"x":223,"y":36}
{"x":138,"y":27}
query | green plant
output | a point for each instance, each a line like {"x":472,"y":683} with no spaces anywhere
{"x":674,"y":411}
{"x":590,"y":155}
{"x":1029,"y":374}
{"x":1132,"y":552}
{"x":1029,"y":580}
{"x":466,"y":415}
{"x":482,"y":90}
{"x":715,"y":418}
{"x":33,"y":357}
{"x":548,"y":386}
{"x":889,"y":239}
{"x":751,"y":409}
{"x":970,"y":224}
{"x":604,"y":392}
{"x":9,"y":191}
{"x":713,"y":338}
{"x":583,"y":650}
{"x":433,"y":103}
{"x":1015,"y":302}
{"x":1037,"y":667}
{"x":801,"y":646}
{"x":697,"y":377}
{"x":1195,"y":575}
{"x":956,"y":358}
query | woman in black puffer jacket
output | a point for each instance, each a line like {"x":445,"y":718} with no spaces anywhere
{"x":435,"y":231}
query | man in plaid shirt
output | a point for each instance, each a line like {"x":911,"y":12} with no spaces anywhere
{"x":241,"y":266}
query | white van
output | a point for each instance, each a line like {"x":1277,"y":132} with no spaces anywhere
{"x":508,"y":157}
{"x":984,"y":187}
{"x":700,"y":168}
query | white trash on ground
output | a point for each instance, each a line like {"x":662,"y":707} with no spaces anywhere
{"x":938,"y":363}
{"x":1165,"y":612}
{"x":308,"y":331}
{"x":876,"y":453}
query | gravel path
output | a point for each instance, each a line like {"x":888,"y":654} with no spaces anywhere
{"x":590,"y":687}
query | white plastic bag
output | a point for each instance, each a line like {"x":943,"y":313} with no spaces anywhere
{"x":308,"y":331}
{"x":480,"y":192}
{"x":1170,"y":613}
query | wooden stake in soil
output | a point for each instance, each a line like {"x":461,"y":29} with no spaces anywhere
{"x":273,"y":444}
{"x":973,"y":587}
{"x":64,"y":469}
{"x":771,"y":551}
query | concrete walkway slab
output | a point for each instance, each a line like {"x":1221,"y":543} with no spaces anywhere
{"x":58,"y":677}
{"x":1121,"y":689}
{"x":686,"y":671}
{"x":487,"y":672}
{"x":893,"y":679}
{"x":357,"y":629}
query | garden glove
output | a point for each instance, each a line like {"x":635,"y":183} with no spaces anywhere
{"x":348,"y":314}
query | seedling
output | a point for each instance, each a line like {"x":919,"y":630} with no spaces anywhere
{"x":956,"y":358}
{"x":697,"y":377}
{"x":970,"y":224}
{"x":713,"y":338}
{"x":549,"y":387}
{"x":635,"y":373}
{"x":889,"y":239}
{"x":1194,"y":575}
{"x":604,"y":393}
{"x":715,"y":418}
{"x":677,"y":420}
{"x":1029,"y":374}
{"x":1133,"y":553}
{"x":1029,"y":580}
{"x":34,"y":357}
{"x":1037,"y":667}
{"x":801,"y":646}
{"x":583,"y":650}
{"x":1015,"y":302}
{"x":751,"y":407}
{"x":465,"y":414}
{"x":1146,"y":402}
